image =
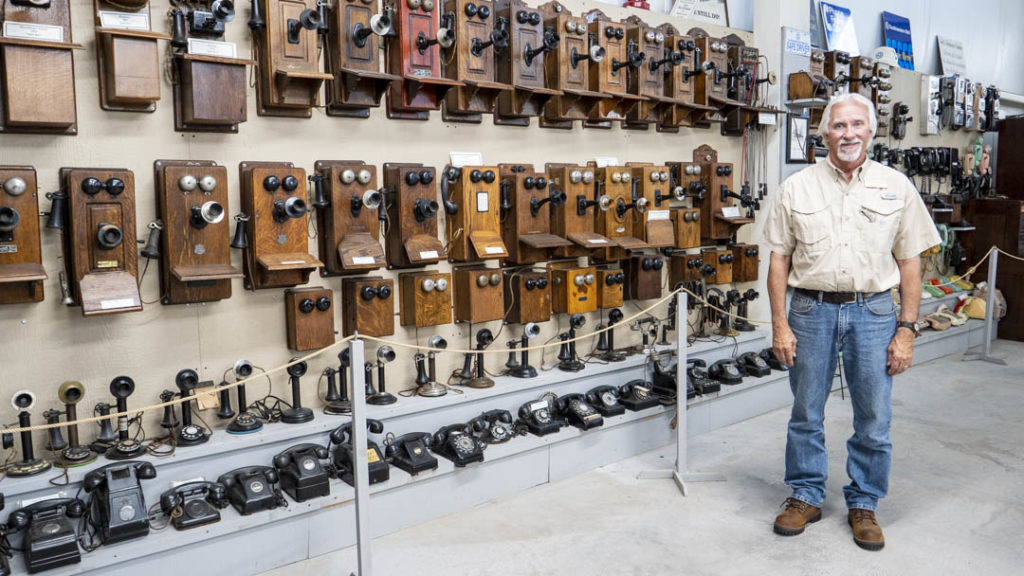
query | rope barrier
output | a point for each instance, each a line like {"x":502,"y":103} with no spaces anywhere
{"x":382,"y":341}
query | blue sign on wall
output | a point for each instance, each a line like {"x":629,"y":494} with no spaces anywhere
{"x":896,"y":32}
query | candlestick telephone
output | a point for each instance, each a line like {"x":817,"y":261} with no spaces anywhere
{"x":344,"y":459}
{"x":540,"y":417}
{"x":303,"y":476}
{"x":409,"y":452}
{"x":253,"y":489}
{"x":51,"y":540}
{"x":457,"y":443}
{"x":117,"y":507}
{"x":577,"y":412}
{"x":194,"y":504}
{"x":605,"y":399}
{"x":493,"y":426}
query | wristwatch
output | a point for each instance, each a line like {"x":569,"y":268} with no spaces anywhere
{"x":912,"y":326}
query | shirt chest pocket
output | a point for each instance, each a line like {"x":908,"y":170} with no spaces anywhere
{"x":812,"y":225}
{"x":879,"y":221}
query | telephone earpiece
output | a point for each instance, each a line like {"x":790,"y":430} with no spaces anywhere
{"x":374,"y":426}
{"x":271,"y":475}
{"x":281,"y":460}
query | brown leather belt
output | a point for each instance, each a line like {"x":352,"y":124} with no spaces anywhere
{"x":832,"y":297}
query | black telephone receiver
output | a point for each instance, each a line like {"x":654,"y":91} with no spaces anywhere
{"x":344,"y":459}
{"x":636,"y":395}
{"x":663,"y":383}
{"x":197,"y":503}
{"x":303,"y":477}
{"x":697,"y":374}
{"x":117,"y":507}
{"x":578,"y":412}
{"x":726,"y":371}
{"x":753,"y":365}
{"x":457,"y":443}
{"x":605,"y":399}
{"x":540,"y":417}
{"x":253,"y":488}
{"x":50,"y":541}
{"x":493,"y":426}
{"x":409,"y":452}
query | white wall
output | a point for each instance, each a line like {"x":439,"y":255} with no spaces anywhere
{"x":989,"y":30}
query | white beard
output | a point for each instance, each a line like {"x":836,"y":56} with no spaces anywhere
{"x":849,"y":156}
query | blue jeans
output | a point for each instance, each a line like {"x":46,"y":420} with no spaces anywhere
{"x":862,"y":331}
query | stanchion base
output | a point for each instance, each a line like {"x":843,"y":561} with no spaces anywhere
{"x":479,"y":382}
{"x":681,"y":479}
{"x":296,"y":415}
{"x":969,"y":356}
{"x":381,"y":399}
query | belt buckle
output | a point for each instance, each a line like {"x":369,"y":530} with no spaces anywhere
{"x":846,"y":297}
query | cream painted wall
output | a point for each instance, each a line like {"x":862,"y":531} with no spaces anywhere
{"x":47,"y":343}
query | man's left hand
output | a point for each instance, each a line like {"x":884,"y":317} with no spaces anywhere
{"x":901,"y":352}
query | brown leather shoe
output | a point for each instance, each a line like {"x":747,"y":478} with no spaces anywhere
{"x":866,"y":531}
{"x":795,"y":517}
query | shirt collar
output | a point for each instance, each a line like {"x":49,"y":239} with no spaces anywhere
{"x":858,"y":172}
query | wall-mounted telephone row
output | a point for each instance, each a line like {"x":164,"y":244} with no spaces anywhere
{"x":464,"y":58}
{"x":511,"y":214}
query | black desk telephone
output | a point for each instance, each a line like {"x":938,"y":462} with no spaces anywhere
{"x":117,"y":508}
{"x":768,"y":355}
{"x":753,"y":365}
{"x":344,"y":459}
{"x":303,"y":477}
{"x":456,"y":443}
{"x":194,"y":504}
{"x":726,"y":371}
{"x":605,"y":399}
{"x":409,"y":452}
{"x":578,"y":412}
{"x":540,"y":417}
{"x":663,"y":383}
{"x":636,"y":395}
{"x":5,"y":546}
{"x":493,"y":426}
{"x":253,"y":489}
{"x":50,"y":541}
{"x":697,"y":374}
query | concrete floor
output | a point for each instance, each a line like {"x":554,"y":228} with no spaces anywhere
{"x":955,"y":504}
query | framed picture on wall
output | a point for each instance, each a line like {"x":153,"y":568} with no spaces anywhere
{"x":710,"y":11}
{"x":797,"y":130}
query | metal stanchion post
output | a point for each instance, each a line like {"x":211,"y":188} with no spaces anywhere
{"x":679,"y":473}
{"x":361,"y":475}
{"x":990,"y":311}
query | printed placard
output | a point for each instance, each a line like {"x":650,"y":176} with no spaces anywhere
{"x":215,"y":48}
{"x":124,"y":20}
{"x":32,"y":31}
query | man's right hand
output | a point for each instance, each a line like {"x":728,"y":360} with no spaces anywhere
{"x":784,"y":344}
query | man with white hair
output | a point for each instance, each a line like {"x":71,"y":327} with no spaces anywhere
{"x":842,"y":234}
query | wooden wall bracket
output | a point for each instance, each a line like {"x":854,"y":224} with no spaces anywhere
{"x":21,"y":263}
{"x":615,"y":224}
{"x":100,"y":256}
{"x":273,"y":195}
{"x":37,"y":84}
{"x":568,"y":220}
{"x":348,"y":225}
{"x":195,"y":258}
{"x":654,"y":225}
{"x":127,"y":57}
{"x":522,"y":65}
{"x":609,"y":76}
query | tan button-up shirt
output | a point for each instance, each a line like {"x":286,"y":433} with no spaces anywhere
{"x":846,"y":236}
